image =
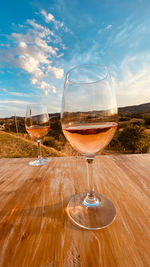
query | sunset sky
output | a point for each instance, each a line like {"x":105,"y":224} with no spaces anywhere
{"x":41,"y":40}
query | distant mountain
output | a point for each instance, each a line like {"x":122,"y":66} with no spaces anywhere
{"x":143,"y":108}
{"x":54,"y":115}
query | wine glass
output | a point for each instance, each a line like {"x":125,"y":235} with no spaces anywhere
{"x":37,"y":125}
{"x":89,"y":122}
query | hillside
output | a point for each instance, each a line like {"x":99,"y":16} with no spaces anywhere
{"x":55,"y":144}
{"x":143,"y":109}
{"x":12,"y":146}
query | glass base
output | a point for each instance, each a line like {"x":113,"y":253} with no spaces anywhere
{"x":91,"y":217}
{"x":39,"y":162}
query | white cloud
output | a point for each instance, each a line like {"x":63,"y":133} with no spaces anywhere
{"x":22,"y":45}
{"x":37,"y":48}
{"x":10,"y":107}
{"x":46,"y":87}
{"x":45,"y":31}
{"x":129,"y":32}
{"x":108,"y":27}
{"x":48,"y":16}
{"x":34,"y":24}
{"x":34,"y":80}
{"x":20,"y":102}
{"x":43,"y":44}
{"x":3,"y":90}
{"x":57,"y":72}
{"x":102,"y":30}
{"x":133,"y":84}
{"x":19,"y":94}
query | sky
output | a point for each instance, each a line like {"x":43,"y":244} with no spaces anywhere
{"x":41,"y":40}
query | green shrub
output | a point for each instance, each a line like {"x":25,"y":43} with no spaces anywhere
{"x":147,"y":120}
{"x":51,"y":142}
{"x":134,"y":138}
{"x":115,"y":143}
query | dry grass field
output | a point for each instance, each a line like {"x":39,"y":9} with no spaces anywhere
{"x":21,"y":146}
{"x":13,"y":146}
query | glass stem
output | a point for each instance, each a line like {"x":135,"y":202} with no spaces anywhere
{"x":39,"y":149}
{"x":89,"y":164}
{"x":90,"y":199}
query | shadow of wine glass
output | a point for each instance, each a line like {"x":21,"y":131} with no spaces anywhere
{"x":55,"y":212}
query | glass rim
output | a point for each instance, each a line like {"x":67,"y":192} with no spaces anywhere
{"x":39,"y":106}
{"x":83,"y":65}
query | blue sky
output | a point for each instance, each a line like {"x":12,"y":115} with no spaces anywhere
{"x":41,"y":40}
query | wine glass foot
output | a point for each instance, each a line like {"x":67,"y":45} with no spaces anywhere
{"x":91,"y":217}
{"x":39,"y":162}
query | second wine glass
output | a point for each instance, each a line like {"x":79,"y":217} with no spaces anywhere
{"x":37,"y":125}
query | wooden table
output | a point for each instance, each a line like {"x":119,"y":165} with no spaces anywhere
{"x":34,"y":227}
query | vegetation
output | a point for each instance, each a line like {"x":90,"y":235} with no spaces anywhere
{"x":12,"y":146}
{"x":147,"y":120}
{"x":132,"y":136}
{"x":51,"y":142}
{"x":134,"y":139}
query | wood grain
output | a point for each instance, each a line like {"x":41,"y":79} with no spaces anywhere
{"x":34,"y":227}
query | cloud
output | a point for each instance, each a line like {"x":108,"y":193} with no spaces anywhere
{"x":129,"y":32}
{"x":50,"y":18}
{"x":35,"y":50}
{"x":44,"y":86}
{"x":20,"y":102}
{"x":17,"y":107}
{"x":3,"y":90}
{"x":132,"y":82}
{"x":108,"y":27}
{"x":102,"y":30}
{"x":22,"y":45}
{"x":18,"y":94}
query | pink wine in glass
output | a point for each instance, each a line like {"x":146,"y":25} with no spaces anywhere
{"x":38,"y":132}
{"x":89,"y":139}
